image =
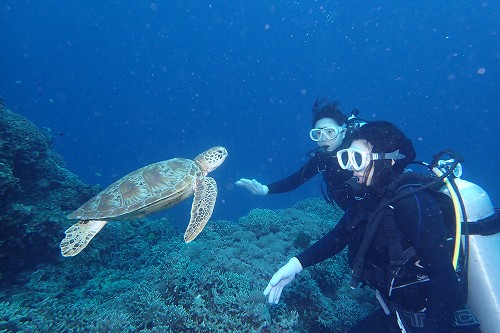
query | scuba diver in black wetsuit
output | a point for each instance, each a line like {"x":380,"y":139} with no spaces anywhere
{"x":397,"y":239}
{"x":329,"y":129}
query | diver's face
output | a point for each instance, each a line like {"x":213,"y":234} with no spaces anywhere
{"x":364,"y":175}
{"x":324,"y":141}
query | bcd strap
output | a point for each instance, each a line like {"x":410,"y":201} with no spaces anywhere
{"x":396,"y":260}
{"x":375,"y":219}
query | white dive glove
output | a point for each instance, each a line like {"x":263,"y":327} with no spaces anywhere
{"x":281,"y":278}
{"x":253,"y":186}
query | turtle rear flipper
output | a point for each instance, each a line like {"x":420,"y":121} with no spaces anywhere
{"x":79,"y":235}
{"x":205,"y":195}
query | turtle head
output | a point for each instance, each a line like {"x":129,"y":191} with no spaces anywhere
{"x":210,"y":159}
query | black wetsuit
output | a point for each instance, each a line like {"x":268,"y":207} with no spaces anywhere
{"x":323,"y":162}
{"x":429,"y":282}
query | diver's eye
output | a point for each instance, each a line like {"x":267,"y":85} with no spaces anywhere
{"x":330,"y":132}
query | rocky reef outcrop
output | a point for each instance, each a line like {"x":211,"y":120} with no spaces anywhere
{"x":36,"y":193}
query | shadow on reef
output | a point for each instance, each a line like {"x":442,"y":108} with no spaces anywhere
{"x":36,"y":193}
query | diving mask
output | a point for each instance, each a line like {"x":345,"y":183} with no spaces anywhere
{"x":356,"y":159}
{"x":326,"y":133}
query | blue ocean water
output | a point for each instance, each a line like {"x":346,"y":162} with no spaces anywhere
{"x":121,"y":84}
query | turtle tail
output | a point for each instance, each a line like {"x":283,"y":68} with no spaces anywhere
{"x":79,"y":235}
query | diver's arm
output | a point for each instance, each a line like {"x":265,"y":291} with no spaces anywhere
{"x":327,"y":246}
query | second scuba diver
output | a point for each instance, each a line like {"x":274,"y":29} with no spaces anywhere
{"x":330,"y":128}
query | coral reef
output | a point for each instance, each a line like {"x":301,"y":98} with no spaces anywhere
{"x":140,"y":277}
{"x":36,"y":192}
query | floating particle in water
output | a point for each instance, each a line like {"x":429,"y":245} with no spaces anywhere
{"x":481,"y":71}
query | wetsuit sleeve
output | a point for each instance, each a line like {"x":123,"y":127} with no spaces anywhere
{"x":327,"y":246}
{"x":418,"y":217}
{"x":290,"y":183}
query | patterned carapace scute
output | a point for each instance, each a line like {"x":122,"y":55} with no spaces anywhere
{"x":141,"y":188}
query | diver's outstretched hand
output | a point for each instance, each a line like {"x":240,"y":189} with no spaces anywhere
{"x":253,"y":186}
{"x":281,"y":278}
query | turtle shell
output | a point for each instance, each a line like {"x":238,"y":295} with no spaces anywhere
{"x":149,"y":189}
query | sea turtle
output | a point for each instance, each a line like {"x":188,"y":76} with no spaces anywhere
{"x":150,"y":189}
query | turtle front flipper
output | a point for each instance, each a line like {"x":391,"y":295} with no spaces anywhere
{"x":205,"y":195}
{"x":79,"y":235}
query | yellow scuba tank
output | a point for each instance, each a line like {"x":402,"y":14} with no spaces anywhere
{"x":484,"y":249}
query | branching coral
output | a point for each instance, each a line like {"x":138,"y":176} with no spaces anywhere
{"x":140,"y":276}
{"x":212,"y":285}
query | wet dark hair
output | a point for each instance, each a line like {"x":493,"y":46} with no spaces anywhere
{"x":385,"y":137}
{"x":324,"y":109}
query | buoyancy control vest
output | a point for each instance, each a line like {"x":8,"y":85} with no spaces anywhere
{"x":487,"y":217}
{"x":403,"y":270}
{"x":474,"y":215}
